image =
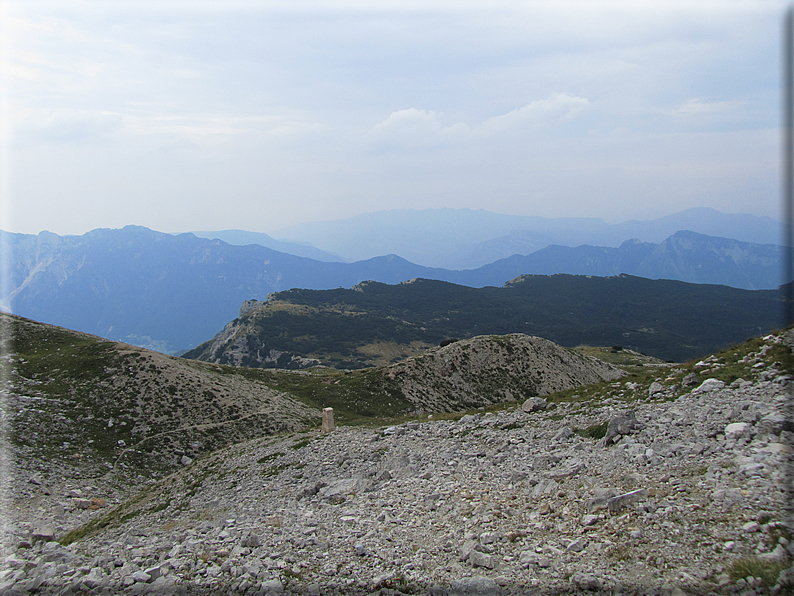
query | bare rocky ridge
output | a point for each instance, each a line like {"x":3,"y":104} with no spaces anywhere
{"x":238,"y":347}
{"x":488,"y":370}
{"x":673,"y":485}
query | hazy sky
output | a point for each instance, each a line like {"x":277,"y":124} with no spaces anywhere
{"x":256,"y":115}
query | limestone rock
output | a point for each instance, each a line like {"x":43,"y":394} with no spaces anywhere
{"x":534,"y":404}
{"x":620,"y":426}
{"x":479,"y":559}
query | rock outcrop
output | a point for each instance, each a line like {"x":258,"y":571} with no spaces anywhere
{"x":490,"y":369}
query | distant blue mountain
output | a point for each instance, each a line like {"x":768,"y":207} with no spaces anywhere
{"x":684,"y":256}
{"x":172,"y":292}
{"x":299,"y":249}
{"x":162,"y":291}
{"x":467,"y":239}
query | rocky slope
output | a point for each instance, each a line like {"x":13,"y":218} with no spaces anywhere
{"x":668,"y":481}
{"x":84,"y":409}
{"x":488,"y":370}
{"x":110,"y":416}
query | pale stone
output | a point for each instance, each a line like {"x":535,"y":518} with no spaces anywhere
{"x":141,"y":576}
{"x":709,"y":385}
{"x":534,"y":404}
{"x":328,"y":420}
{"x":589,"y":520}
{"x":478,"y":559}
{"x":736,"y":429}
{"x":620,"y":502}
{"x":81,"y":503}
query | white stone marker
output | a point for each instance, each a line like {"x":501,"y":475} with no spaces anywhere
{"x":328,"y":420}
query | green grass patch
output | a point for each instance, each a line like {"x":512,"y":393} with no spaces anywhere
{"x":113,"y":518}
{"x":596,"y":431}
{"x":270,"y":457}
{"x":300,"y":444}
{"x":274,"y":470}
{"x":756,"y":567}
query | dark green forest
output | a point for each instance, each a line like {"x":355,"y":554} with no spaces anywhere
{"x":671,"y":320}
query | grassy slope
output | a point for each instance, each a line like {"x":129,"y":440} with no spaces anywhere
{"x":82,"y":405}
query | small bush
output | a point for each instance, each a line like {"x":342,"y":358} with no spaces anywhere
{"x":755,"y":567}
{"x":269,"y":457}
{"x":596,"y":431}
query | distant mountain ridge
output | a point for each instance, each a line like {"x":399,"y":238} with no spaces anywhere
{"x":161,"y":291}
{"x":172,"y":292}
{"x":684,"y":256}
{"x":468,"y":239}
{"x":299,"y":249}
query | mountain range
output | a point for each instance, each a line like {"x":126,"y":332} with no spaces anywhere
{"x":172,"y":292}
{"x":299,"y":249}
{"x":467,"y":239}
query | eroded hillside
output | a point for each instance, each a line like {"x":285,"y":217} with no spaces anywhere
{"x":83,"y":410}
{"x":487,"y":370}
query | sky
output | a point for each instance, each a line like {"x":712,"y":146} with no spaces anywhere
{"x":247,"y":115}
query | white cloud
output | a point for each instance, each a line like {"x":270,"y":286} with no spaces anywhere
{"x":196,"y":126}
{"x":695,"y":107}
{"x":76,"y":127}
{"x":410,"y":122}
{"x":413,"y":128}
{"x":278,"y":101}
{"x":557,"y":108}
{"x":407,"y":129}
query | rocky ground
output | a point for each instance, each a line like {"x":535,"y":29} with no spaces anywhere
{"x":486,"y":370}
{"x":672,"y":487}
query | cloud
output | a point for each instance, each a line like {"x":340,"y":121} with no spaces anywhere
{"x":557,"y":108}
{"x":414,"y":128}
{"x":695,"y":107}
{"x":197,"y":126}
{"x":408,"y":127}
{"x":81,"y":127}
{"x":336,"y":101}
